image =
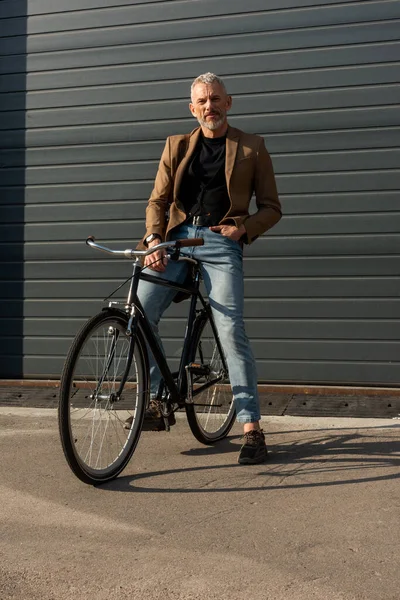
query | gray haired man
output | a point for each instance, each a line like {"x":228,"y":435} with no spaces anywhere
{"x":207,"y":193}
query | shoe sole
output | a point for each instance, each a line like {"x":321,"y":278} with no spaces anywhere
{"x":253,"y":461}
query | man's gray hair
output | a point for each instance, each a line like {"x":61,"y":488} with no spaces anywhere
{"x":207,"y":78}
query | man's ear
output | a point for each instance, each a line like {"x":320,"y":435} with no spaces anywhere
{"x":229,"y":103}
{"x":191,"y":108}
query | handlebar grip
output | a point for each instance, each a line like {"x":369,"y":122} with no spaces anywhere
{"x":189,"y":242}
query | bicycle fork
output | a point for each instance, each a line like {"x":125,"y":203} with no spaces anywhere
{"x":130,"y":332}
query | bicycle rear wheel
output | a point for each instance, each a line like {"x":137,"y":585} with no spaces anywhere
{"x":91,"y":416}
{"x":212,"y":413}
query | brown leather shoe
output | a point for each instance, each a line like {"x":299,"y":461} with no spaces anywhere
{"x":254,"y":450}
{"x":153,"y":419}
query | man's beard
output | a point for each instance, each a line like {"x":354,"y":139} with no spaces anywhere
{"x":213,"y":125}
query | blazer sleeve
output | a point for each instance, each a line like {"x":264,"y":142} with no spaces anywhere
{"x":269,"y":210}
{"x":159,"y":200}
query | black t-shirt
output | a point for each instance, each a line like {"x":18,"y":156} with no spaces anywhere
{"x":203,"y":190}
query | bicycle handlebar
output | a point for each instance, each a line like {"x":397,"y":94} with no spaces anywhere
{"x":189,"y":242}
{"x":130,"y":253}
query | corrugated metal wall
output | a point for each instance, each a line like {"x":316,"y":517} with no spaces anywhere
{"x":89,"y":91}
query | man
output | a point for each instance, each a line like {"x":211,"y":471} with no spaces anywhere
{"x":206,"y":179}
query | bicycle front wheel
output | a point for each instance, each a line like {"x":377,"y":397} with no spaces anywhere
{"x":92,"y":418}
{"x":212,"y":412}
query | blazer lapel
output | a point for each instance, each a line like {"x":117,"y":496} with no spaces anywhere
{"x":184,"y":162}
{"x":232,"y":143}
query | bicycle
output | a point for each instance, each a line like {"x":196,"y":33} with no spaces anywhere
{"x":105,"y":379}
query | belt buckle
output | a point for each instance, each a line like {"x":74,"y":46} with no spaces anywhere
{"x":196,"y":219}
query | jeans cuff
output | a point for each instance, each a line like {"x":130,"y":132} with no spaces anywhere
{"x":249,"y":419}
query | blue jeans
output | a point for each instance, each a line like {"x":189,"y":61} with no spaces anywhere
{"x":222,"y":270}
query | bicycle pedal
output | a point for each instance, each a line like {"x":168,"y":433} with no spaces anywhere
{"x":198,"y":369}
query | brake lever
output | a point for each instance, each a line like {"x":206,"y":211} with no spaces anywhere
{"x":174,"y":254}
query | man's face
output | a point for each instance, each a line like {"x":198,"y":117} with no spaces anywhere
{"x":209,"y":105}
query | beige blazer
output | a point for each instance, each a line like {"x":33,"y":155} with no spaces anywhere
{"x":248,"y":170}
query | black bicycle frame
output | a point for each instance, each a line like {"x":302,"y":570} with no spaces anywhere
{"x":139,"y":319}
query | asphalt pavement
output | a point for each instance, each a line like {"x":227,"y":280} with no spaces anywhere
{"x":319,"y":520}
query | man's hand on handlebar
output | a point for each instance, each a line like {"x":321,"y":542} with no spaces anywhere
{"x":157,"y":261}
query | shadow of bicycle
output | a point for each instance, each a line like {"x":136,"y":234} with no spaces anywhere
{"x":321,"y":459}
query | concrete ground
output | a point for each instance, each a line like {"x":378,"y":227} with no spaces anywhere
{"x":320,"y":520}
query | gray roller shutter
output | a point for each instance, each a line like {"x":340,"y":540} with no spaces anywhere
{"x":89,"y":89}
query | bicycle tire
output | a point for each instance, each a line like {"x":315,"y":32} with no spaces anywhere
{"x":95,"y":442}
{"x":212,"y":413}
